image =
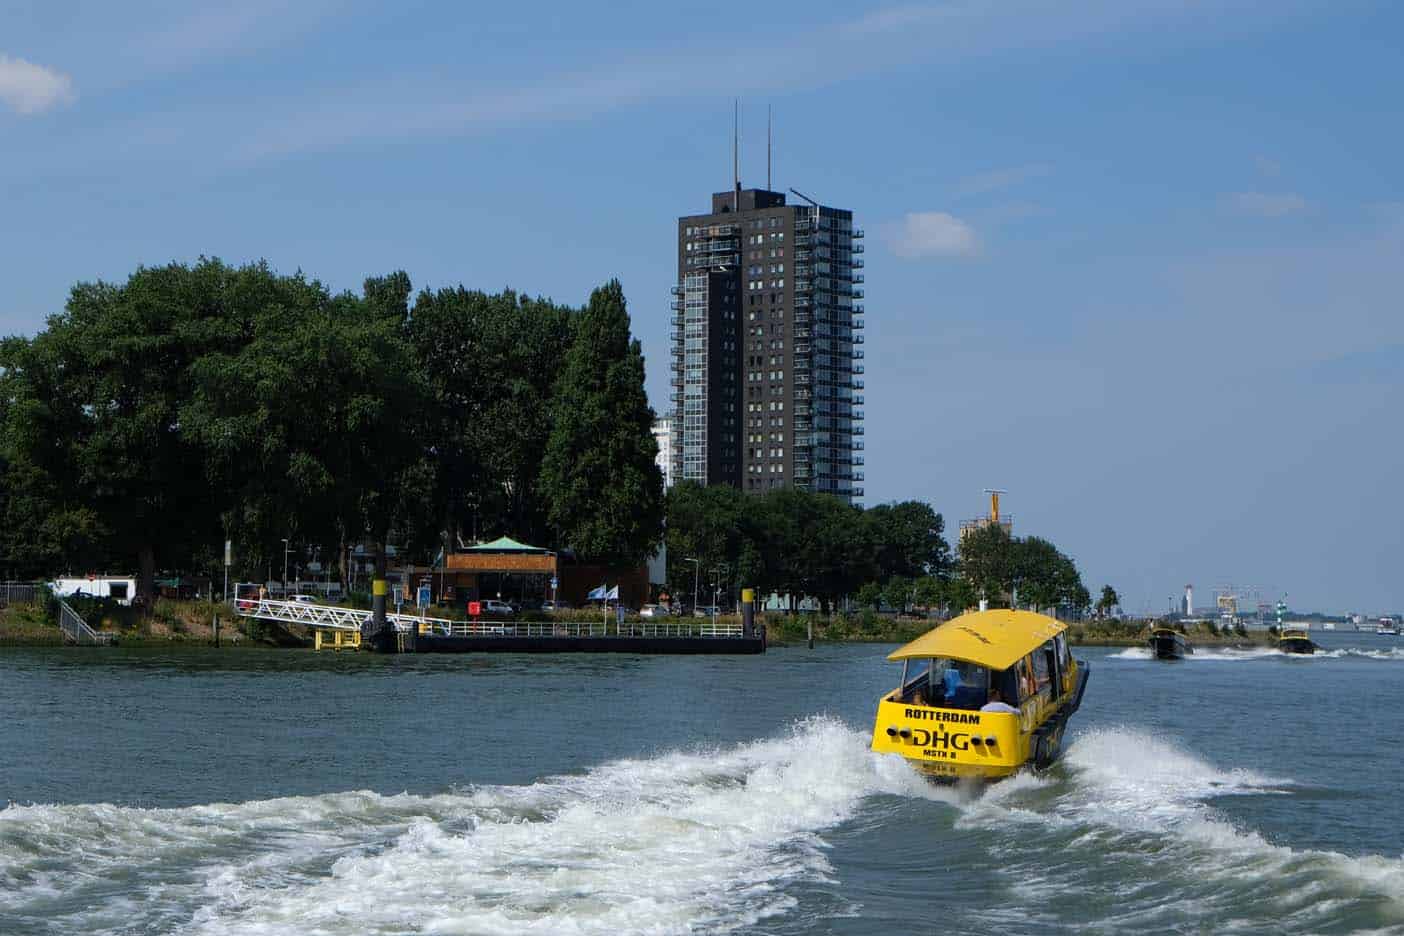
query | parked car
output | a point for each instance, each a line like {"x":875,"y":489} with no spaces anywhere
{"x":652,"y":611}
{"x":304,"y":599}
{"x":494,"y":608}
{"x":705,"y":611}
{"x":555,"y":606}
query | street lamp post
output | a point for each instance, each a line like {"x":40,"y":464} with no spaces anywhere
{"x":716,"y":591}
{"x":285,"y":569}
{"x":696,"y":572}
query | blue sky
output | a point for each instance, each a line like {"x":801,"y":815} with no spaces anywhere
{"x":1136,"y":262}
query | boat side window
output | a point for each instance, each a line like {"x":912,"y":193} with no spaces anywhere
{"x":1042,"y":677}
{"x":1064,"y":657}
{"x":1007,"y":682}
{"x":915,"y":680}
{"x":1027,"y":688}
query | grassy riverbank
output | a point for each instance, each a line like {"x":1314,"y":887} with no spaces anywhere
{"x":190,"y":622}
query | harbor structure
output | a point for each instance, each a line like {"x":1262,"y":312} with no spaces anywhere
{"x":993,"y":518}
{"x":767,"y":345}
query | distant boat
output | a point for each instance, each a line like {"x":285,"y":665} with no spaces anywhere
{"x":1295,"y":640}
{"x":1387,"y":628}
{"x":1166,"y":643}
{"x":1328,"y":625}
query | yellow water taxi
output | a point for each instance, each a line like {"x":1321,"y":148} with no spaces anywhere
{"x":1295,"y":640}
{"x":982,"y":695}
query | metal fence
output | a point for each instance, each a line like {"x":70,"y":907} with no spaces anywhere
{"x":77,"y":630}
{"x":568,"y":628}
{"x":14,"y":593}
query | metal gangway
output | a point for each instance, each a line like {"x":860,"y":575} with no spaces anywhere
{"x":352,"y":620}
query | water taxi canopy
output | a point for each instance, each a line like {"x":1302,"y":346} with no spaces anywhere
{"x":994,"y":639}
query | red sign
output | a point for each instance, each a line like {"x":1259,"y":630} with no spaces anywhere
{"x":475,"y":608}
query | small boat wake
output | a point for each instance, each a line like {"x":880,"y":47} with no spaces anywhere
{"x":685,"y":842}
{"x":1233,"y":655}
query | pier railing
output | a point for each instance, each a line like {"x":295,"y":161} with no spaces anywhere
{"x":328,"y":617}
{"x":77,"y":630}
{"x":446,"y":628}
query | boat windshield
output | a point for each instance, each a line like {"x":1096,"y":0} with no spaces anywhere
{"x":945,"y":683}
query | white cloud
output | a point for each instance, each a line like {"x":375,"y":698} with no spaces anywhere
{"x":933,"y":234}
{"x":31,"y":89}
{"x":997,"y":179}
{"x":1267,"y":204}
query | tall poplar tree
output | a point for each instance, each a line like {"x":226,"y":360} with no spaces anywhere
{"x":598,"y":475}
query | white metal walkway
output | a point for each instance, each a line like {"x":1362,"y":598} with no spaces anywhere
{"x":328,"y":617}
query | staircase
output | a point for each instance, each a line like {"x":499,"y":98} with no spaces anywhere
{"x":77,"y":630}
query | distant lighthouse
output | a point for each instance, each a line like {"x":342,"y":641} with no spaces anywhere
{"x":1189,"y":601}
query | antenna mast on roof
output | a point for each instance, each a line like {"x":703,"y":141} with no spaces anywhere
{"x":736,"y":154}
{"x":768,"y":136}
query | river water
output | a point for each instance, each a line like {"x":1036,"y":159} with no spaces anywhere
{"x":261,"y":792}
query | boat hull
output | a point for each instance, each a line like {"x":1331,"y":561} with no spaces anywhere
{"x":1298,"y":645}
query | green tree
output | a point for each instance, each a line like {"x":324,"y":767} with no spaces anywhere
{"x":869,"y":595}
{"x":491,"y":362}
{"x":988,"y":562}
{"x":598,"y":473}
{"x":908,"y":539}
{"x":1108,"y":601}
{"x":897,"y":593}
{"x":98,"y":413}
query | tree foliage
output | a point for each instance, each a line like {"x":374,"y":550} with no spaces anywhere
{"x":153,"y":418}
{"x":599,"y":477}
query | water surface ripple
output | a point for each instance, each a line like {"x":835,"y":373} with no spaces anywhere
{"x":249,"y":792}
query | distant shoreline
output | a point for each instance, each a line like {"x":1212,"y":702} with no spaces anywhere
{"x":187,"y":624}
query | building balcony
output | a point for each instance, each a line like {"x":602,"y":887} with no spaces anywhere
{"x":858,"y":277}
{"x":858,"y":445}
{"x":675,"y":290}
{"x":857,"y":294}
{"x":857,"y":323}
{"x":858,"y":401}
{"x":857,"y":492}
{"x":857,"y":308}
{"x":858,"y":263}
{"x":857,"y":385}
{"x":858,"y":354}
{"x":857,"y":459}
{"x":857,"y":248}
{"x":857,"y":233}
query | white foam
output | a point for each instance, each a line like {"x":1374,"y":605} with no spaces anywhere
{"x":678,"y":843}
{"x":1129,"y":782}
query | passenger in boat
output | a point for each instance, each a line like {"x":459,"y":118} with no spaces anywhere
{"x":996,"y":703}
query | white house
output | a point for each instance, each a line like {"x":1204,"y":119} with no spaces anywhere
{"x":119,"y":588}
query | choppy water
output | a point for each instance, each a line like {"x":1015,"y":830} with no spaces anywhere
{"x":260,"y":793}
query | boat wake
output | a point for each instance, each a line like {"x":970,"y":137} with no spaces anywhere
{"x":683,"y":842}
{"x":1231,"y":655}
{"x":1138,"y":811}
{"x":678,"y":843}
